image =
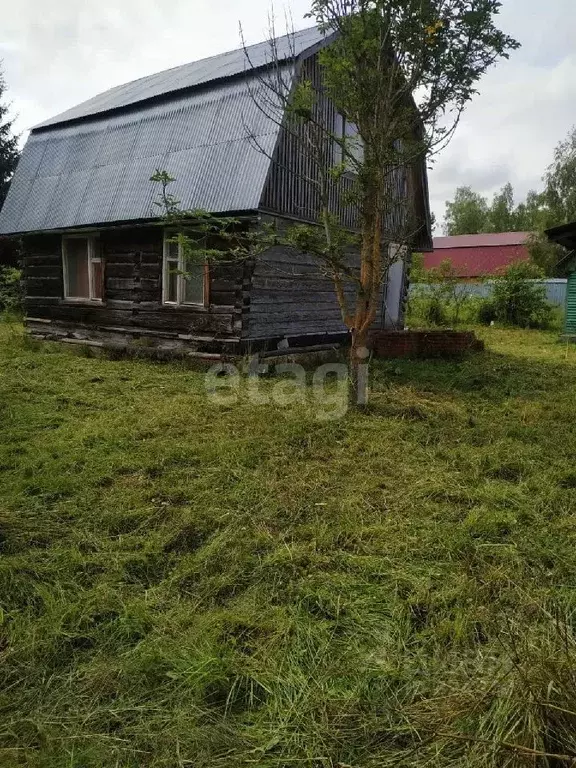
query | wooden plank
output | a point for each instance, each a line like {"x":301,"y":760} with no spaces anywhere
{"x":48,"y":260}
{"x":119,"y":270}
{"x":185,"y":321}
{"x":42,"y":270}
{"x":119,"y":284}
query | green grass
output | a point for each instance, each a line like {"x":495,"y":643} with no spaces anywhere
{"x":187,"y":584}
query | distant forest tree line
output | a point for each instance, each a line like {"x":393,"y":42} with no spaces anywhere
{"x":469,"y":213}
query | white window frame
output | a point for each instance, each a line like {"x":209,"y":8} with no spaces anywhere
{"x":181,"y":278}
{"x":94,"y":257}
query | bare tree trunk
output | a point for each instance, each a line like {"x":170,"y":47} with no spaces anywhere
{"x":367,"y":299}
{"x":358,"y":376}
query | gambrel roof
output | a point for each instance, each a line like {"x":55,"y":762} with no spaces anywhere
{"x":91,"y":164}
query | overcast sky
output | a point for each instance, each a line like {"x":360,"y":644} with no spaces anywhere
{"x":60,"y":53}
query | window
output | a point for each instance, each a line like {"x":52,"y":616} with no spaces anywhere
{"x":346,"y":129}
{"x":83,"y":268}
{"x":183,"y":283}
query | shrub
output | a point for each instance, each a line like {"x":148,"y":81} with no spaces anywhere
{"x":487,"y":312}
{"x":517,"y":301}
{"x":435,"y":312}
{"x":11,"y":290}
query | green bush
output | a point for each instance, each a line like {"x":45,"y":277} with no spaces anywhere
{"x":11,"y":290}
{"x":517,"y":301}
{"x":487,"y":312}
{"x":435,"y":312}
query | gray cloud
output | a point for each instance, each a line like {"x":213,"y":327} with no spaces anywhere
{"x":58,"y":54}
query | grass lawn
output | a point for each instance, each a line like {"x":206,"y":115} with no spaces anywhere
{"x":189,"y":584}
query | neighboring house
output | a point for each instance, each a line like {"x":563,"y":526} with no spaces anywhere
{"x":99,"y":266}
{"x":476,"y":256}
{"x":565,"y":235}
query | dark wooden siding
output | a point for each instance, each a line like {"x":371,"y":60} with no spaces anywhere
{"x":291,"y":190}
{"x":133,"y":290}
{"x":290,"y":297}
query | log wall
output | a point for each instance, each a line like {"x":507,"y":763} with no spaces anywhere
{"x":132,"y":305}
{"x":289,"y":297}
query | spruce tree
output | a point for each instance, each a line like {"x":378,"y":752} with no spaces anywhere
{"x":9,"y":153}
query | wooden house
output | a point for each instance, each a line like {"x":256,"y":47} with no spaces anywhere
{"x":99,"y":265}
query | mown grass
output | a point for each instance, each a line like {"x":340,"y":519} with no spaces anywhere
{"x":187,"y":584}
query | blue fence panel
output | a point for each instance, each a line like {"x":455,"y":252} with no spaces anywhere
{"x":555,"y":289}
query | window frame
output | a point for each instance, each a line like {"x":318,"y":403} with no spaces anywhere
{"x":94,"y":257}
{"x":181,"y":279}
{"x":341,"y":122}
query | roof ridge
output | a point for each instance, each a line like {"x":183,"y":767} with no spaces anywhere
{"x":188,"y":75}
{"x":205,"y":58}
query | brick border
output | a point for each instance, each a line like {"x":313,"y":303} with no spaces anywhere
{"x":422,"y":344}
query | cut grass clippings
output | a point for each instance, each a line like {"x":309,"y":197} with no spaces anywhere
{"x":187,"y":584}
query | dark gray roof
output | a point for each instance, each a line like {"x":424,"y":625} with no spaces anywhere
{"x":97,"y":169}
{"x":196,"y":73}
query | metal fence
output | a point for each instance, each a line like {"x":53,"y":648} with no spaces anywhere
{"x":555,"y":289}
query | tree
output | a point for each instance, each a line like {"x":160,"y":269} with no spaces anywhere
{"x":547,"y":256}
{"x":467,"y":214}
{"x":560,"y":180}
{"x":470,"y":214}
{"x":401,"y":72}
{"x":532,"y":215}
{"x":9,"y":153}
{"x":502,"y":215}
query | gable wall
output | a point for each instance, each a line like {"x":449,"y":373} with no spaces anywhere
{"x":290,"y":191}
{"x":287,"y":191}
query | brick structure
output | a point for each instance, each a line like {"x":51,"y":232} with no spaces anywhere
{"x":394,"y":344}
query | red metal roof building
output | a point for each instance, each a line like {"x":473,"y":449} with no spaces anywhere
{"x":474,"y":256}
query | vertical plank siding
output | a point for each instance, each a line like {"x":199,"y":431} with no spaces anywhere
{"x":291,"y":189}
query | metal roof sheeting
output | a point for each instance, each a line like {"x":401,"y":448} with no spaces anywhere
{"x":487,"y":240}
{"x":220,"y":67}
{"x":98,"y":170}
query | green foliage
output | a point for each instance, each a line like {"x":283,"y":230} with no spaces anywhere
{"x":9,"y":152}
{"x":435,"y":312}
{"x":11,"y":290}
{"x":467,"y":214}
{"x":417,"y":268}
{"x":560,"y":181}
{"x":517,"y":301}
{"x":502,"y":215}
{"x":446,"y":46}
{"x":428,"y":309}
{"x":302,"y":102}
{"x":470,"y":213}
{"x":203,"y":237}
{"x":187,"y":584}
{"x":443,"y":301}
{"x":439,"y":299}
{"x":546,"y":255}
{"x":487,"y":313}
